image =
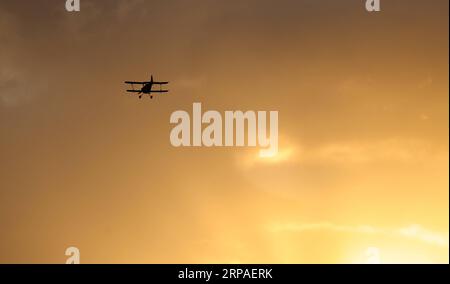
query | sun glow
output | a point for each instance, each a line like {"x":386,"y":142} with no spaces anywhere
{"x":275,"y":157}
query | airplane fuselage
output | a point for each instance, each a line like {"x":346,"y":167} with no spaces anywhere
{"x":147,"y":88}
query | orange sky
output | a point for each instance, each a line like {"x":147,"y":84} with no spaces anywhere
{"x":363,"y":124}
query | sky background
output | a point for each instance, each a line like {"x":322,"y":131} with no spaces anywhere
{"x":363,"y":101}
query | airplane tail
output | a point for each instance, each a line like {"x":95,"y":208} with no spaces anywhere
{"x":151,"y":78}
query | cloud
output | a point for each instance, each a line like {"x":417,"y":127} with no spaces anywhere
{"x":415,"y":231}
{"x":12,"y":92}
{"x":352,"y":152}
{"x":358,"y":152}
{"x":396,"y":150}
{"x":363,"y":152}
{"x":19,"y":86}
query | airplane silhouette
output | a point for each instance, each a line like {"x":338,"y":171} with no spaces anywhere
{"x":147,"y":87}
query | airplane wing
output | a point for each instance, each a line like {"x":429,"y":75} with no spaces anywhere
{"x":133,"y":91}
{"x":131,"y":82}
{"x":159,"y":91}
{"x":161,"y":83}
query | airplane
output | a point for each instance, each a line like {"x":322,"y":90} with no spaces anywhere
{"x":147,"y":87}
